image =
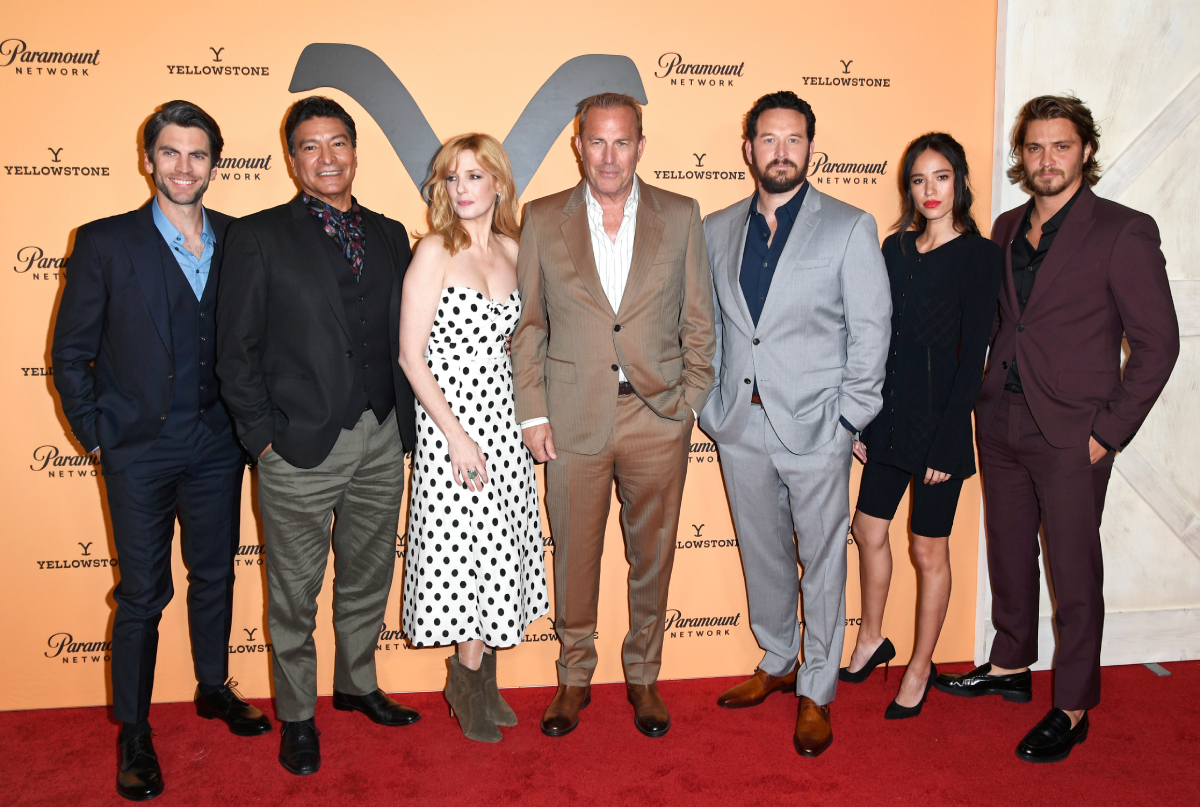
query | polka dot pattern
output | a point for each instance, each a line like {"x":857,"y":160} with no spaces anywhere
{"x":474,"y":567}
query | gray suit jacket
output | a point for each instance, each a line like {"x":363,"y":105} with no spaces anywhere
{"x":820,"y":347}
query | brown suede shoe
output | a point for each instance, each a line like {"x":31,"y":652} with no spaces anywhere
{"x":650,"y":714}
{"x":756,"y":688}
{"x":562,"y":715}
{"x":813,"y":732}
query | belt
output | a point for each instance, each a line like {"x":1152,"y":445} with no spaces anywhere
{"x":754,"y":399}
{"x":624,"y":388}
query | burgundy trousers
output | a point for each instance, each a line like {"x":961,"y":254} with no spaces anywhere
{"x":1028,"y":482}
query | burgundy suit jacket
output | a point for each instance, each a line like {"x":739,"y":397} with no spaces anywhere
{"x":1103,"y":276}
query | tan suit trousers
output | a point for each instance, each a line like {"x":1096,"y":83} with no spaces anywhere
{"x":647,"y":456}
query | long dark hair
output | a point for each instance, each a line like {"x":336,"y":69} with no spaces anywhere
{"x":949,"y":148}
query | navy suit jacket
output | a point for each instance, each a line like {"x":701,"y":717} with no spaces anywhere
{"x":113,"y":363}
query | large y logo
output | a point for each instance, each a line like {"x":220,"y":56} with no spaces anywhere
{"x":364,"y":77}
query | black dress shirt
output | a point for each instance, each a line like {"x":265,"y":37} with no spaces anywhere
{"x":1025,"y":262}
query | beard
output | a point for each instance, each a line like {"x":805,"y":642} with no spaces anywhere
{"x":781,"y":181}
{"x":1056,"y":184}
{"x":181,"y":196}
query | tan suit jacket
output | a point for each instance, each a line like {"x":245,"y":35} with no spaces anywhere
{"x":569,"y":342}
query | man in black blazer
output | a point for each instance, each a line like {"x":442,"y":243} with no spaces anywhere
{"x":308,"y":356}
{"x":134,"y":357}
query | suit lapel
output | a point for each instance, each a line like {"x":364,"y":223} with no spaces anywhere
{"x":309,"y":239}
{"x":578,"y":238}
{"x":646,"y":235}
{"x":1074,"y":229}
{"x":738,"y":229}
{"x":146,"y":259}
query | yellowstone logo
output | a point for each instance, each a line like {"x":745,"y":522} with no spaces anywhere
{"x":249,"y":555}
{"x":401,"y":545}
{"x":250,"y":646}
{"x":57,"y":169}
{"x":844,"y":79}
{"x":32,"y":372}
{"x":700,"y":542}
{"x":216,"y":68}
{"x":34,"y":263}
{"x":682,"y":74}
{"x":391,"y":639}
{"x":824,"y":171}
{"x":700,"y":173}
{"x":86,"y":560}
{"x":50,"y":460}
{"x":364,"y":77}
{"x":241,"y":169}
{"x":64,"y":648}
{"x":543,"y":630}
{"x":15,"y":53}
{"x":677,"y":626}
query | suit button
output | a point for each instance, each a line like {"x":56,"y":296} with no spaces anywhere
{"x":890,"y":392}
{"x":616,"y":327}
{"x":202,"y":408}
{"x":201,"y":313}
{"x":1020,"y":328}
{"x":615,"y":368}
{"x":202,"y":339}
{"x":756,"y":340}
{"x":745,"y":381}
{"x":893,"y":353}
{"x":202,"y":387}
{"x":170,"y":376}
{"x":162,"y":417}
{"x":349,"y":354}
{"x":201,"y":364}
{"x":1004,"y":364}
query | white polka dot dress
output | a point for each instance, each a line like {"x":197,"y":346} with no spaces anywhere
{"x":473,"y":568}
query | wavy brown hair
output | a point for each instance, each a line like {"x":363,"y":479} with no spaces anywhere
{"x":1048,"y":107}
{"x":443,"y":221}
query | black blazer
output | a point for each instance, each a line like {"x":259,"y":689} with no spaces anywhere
{"x":284,"y":352}
{"x":943,"y":306}
{"x":113,"y":364}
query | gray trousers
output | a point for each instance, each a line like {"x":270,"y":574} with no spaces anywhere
{"x":362,"y":481}
{"x":774,"y":493}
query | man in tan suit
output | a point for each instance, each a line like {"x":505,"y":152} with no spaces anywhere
{"x":611,"y":361}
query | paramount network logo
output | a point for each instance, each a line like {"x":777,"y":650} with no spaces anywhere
{"x":391,"y":639}
{"x":677,"y":626}
{"x":364,"y":77}
{"x":683,"y":74}
{"x":243,"y":168}
{"x":64,"y":647}
{"x":824,"y":171}
{"x":58,"y":465}
{"x":703,"y":452}
{"x":249,"y":555}
{"x":44,"y":62}
{"x":33,"y":262}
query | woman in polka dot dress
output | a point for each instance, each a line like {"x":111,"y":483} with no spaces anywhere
{"x":474,"y":574}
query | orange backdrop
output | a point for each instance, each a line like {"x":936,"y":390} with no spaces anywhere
{"x":70,"y":154}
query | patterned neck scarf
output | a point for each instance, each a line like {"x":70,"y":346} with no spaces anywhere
{"x":346,"y":229}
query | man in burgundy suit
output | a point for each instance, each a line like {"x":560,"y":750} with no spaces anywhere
{"x":1081,"y":271}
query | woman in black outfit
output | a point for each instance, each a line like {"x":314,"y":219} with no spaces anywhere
{"x":945,"y":279}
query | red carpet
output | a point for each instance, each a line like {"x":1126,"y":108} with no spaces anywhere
{"x":1144,"y":749}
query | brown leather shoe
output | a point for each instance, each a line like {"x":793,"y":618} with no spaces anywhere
{"x":756,"y":688}
{"x":562,"y":715}
{"x":650,"y":714}
{"x":813,"y":732}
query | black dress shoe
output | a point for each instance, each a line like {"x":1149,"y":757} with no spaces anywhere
{"x":1017,"y":687}
{"x":243,"y":719}
{"x":299,"y":748}
{"x":139,"y":778}
{"x":377,"y":706}
{"x":1053,"y":738}
{"x":897,"y":712}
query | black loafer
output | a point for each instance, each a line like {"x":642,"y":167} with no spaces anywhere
{"x":1017,"y":687}
{"x":377,"y":706}
{"x":139,"y":777}
{"x":299,"y":748}
{"x":243,"y":719}
{"x":1053,"y":738}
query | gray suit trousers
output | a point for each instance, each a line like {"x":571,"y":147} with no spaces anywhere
{"x":774,"y":493}
{"x":362,"y":481}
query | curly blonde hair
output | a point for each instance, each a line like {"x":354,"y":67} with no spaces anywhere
{"x":443,"y":221}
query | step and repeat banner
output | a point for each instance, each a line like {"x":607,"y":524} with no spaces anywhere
{"x":80,"y":78}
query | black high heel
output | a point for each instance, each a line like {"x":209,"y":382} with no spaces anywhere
{"x":882,"y":655}
{"x":897,"y":712}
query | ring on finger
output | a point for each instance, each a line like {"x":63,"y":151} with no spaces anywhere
{"x":472,"y":474}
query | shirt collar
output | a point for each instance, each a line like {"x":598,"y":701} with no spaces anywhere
{"x":171,"y":233}
{"x":1057,"y":219}
{"x":593,"y":205}
{"x":791,"y":209}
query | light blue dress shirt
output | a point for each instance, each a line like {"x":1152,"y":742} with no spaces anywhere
{"x":195,"y":270}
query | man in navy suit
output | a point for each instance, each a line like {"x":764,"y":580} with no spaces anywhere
{"x":134,"y":350}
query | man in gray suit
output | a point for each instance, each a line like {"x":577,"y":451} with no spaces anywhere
{"x":800,"y":372}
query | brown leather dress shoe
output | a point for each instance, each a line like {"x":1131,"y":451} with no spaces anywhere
{"x":650,"y":714}
{"x":756,"y":688}
{"x":562,"y":715}
{"x":813,"y":731}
